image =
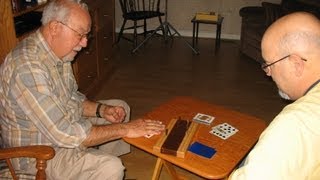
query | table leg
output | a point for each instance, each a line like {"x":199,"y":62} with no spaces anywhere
{"x":218,"y":35}
{"x":135,"y":35}
{"x":157,"y":169}
{"x":193,"y":31}
{"x":197,"y":31}
{"x":170,"y":170}
{"x":169,"y":167}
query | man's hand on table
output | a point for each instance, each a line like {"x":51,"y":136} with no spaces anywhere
{"x":144,"y":127}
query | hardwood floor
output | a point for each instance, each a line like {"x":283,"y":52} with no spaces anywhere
{"x":160,"y":71}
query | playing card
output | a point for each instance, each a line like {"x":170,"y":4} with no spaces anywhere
{"x":148,"y":135}
{"x":203,"y":118}
{"x":224,"y":131}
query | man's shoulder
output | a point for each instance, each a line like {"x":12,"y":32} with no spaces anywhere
{"x":29,"y":46}
{"x":29,"y":50}
{"x":26,"y":56}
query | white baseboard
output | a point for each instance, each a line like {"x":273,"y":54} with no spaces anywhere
{"x":201,"y":34}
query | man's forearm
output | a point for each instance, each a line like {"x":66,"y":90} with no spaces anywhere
{"x":101,"y":134}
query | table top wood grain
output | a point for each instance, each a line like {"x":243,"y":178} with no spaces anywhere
{"x":229,"y":152}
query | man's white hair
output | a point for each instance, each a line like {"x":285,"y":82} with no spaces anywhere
{"x":58,"y":11}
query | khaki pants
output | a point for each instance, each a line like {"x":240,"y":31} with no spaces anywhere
{"x":92,"y":163}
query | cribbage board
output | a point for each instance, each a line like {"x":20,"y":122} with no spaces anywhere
{"x":176,"y":141}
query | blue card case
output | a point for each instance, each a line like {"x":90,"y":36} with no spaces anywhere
{"x":202,"y":150}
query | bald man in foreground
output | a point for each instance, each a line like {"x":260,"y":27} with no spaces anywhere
{"x":290,"y":147}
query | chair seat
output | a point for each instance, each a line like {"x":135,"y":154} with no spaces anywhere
{"x":138,"y":15}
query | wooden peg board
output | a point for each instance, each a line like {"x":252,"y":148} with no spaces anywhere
{"x":184,"y":144}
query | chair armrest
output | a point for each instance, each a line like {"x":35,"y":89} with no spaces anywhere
{"x":36,"y":151}
{"x":41,"y":153}
{"x":272,"y":12}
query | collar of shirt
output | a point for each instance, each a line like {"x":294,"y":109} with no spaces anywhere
{"x":313,"y":85}
{"x":52,"y":58}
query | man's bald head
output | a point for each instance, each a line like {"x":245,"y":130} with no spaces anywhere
{"x":290,"y":48}
{"x":295,"y":33}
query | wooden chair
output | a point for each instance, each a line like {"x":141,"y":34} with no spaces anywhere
{"x":41,"y":153}
{"x":136,"y":10}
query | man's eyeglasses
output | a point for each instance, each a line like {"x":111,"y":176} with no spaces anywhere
{"x":266,"y":67}
{"x":80,"y":35}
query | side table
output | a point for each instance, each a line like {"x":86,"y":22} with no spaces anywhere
{"x":195,"y":30}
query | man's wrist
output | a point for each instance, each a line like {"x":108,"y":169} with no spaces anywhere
{"x":98,"y":114}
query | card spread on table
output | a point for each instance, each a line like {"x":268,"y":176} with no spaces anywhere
{"x":148,"y":135}
{"x":203,"y":118}
{"x":224,"y":131}
{"x":202,"y":150}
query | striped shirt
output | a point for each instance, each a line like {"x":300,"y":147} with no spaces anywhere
{"x":40,"y":103}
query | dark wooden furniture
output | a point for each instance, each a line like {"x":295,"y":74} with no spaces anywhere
{"x":39,"y":152}
{"x":195,"y":30}
{"x":93,"y":63}
{"x":229,"y":152}
{"x":138,"y":10}
{"x":9,"y":39}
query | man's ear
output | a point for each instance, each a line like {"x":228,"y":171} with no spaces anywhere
{"x":298,"y":64}
{"x":53,"y":28}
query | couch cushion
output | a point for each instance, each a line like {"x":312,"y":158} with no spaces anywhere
{"x":255,"y":21}
{"x":272,"y":12}
{"x":248,"y":11}
{"x":312,"y":6}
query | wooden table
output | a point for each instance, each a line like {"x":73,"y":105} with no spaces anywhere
{"x":195,"y":30}
{"x":229,"y":152}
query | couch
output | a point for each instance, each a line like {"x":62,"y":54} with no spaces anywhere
{"x":256,"y":19}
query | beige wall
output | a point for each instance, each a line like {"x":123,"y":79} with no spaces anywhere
{"x":180,"y":12}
